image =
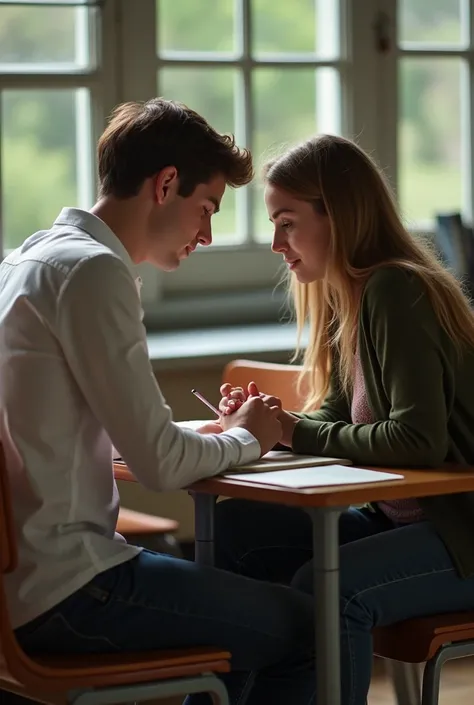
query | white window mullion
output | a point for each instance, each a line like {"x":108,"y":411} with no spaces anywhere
{"x":105,"y":91}
{"x":83,"y":24}
{"x":245,"y":196}
{"x":385,"y":30}
{"x":359,"y":74}
{"x":138,"y":61}
{"x":469,"y":113}
{"x":137,"y":80}
{"x":84,"y":150}
{"x":467,"y":155}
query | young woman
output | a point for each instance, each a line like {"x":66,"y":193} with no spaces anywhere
{"x":390,"y":366}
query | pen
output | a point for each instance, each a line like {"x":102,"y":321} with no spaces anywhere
{"x":205,"y":401}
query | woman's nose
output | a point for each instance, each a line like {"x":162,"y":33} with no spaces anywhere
{"x":278,"y":242}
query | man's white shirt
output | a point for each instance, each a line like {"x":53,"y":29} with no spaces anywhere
{"x":76,"y":381}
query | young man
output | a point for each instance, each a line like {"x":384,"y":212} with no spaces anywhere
{"x":75,"y":379}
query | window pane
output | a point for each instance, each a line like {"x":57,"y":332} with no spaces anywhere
{"x":290,"y":105}
{"x":433,"y":22}
{"x":310,"y":27}
{"x":41,"y":158}
{"x":209,"y":91}
{"x":47,"y":37}
{"x":430,"y":137}
{"x":195,"y":25}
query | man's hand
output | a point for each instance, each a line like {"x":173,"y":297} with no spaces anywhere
{"x":257,"y":417}
{"x":234,"y":397}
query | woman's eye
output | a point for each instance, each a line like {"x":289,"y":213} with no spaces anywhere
{"x":205,"y":211}
{"x":286,"y":224}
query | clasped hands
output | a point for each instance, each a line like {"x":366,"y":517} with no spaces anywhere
{"x":261,"y":414}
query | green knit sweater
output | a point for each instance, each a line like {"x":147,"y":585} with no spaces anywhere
{"x":420,"y":390}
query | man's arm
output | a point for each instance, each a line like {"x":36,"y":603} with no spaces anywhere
{"x":104,"y":342}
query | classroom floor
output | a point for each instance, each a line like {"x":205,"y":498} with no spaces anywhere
{"x":457,"y":685}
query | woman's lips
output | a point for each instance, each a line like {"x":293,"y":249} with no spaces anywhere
{"x":292,"y":263}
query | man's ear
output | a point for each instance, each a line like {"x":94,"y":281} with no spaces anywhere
{"x":166,"y":184}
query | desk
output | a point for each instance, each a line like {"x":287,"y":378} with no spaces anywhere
{"x":324,"y":504}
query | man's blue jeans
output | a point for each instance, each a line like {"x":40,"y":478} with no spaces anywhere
{"x":388,"y":572}
{"x":156,"y":601}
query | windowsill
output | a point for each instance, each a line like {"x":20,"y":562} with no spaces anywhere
{"x":208,"y":347}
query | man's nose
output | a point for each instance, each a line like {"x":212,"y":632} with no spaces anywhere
{"x":205,"y":234}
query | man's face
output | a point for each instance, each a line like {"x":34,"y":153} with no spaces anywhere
{"x":178,"y":225}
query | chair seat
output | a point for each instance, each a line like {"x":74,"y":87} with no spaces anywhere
{"x":418,"y":640}
{"x":62,"y":673}
{"x":132,"y":522}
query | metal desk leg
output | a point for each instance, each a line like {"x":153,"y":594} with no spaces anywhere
{"x":204,"y":509}
{"x":326,"y":592}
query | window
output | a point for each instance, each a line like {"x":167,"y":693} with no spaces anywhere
{"x":257,"y":69}
{"x":47,"y":67}
{"x":435,"y":72}
{"x":272,"y":76}
{"x":397,"y":76}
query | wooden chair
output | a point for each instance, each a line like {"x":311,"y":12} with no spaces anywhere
{"x":98,"y":679}
{"x":152,"y":532}
{"x":431,"y":640}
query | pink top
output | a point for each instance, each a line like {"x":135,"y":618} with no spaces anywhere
{"x":405,"y":511}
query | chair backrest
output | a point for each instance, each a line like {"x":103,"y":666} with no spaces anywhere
{"x":270,"y":378}
{"x":8,"y":549}
{"x":12,"y":659}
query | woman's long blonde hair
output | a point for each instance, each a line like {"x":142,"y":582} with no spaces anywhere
{"x":340,"y":179}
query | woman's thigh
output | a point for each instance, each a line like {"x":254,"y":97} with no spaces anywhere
{"x":271,"y":542}
{"x":395,"y":575}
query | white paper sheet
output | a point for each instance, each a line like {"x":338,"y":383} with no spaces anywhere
{"x":194,"y":423}
{"x":322,"y":476}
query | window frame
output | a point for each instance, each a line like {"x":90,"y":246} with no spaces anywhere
{"x":240,"y":279}
{"x":240,"y":289}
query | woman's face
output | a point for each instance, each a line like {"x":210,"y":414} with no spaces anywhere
{"x":301,"y":235}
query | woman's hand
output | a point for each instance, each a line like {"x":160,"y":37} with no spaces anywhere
{"x":288,"y":422}
{"x":234,"y":397}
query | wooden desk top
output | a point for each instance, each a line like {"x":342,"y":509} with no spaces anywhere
{"x":416,"y":483}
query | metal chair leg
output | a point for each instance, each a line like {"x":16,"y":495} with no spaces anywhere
{"x":218,"y":692}
{"x":157,"y":690}
{"x":432,"y":672}
{"x":431,"y":682}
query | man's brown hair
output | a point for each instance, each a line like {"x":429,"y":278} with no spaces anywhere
{"x":141,"y":139}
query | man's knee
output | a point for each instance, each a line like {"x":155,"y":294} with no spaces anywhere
{"x":303,"y":579}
